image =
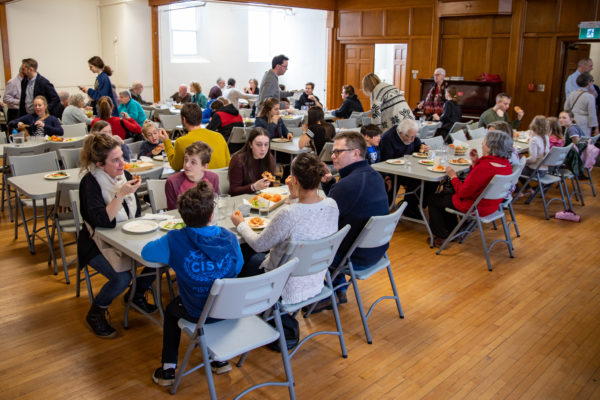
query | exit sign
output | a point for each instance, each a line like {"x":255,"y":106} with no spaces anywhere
{"x":589,"y":33}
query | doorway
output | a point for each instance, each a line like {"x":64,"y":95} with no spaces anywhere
{"x":390,"y":63}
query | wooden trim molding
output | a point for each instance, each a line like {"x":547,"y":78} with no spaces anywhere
{"x":155,"y":55}
{"x":314,"y":4}
{"x":5,"y":49}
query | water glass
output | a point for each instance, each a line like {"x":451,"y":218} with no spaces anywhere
{"x":224,"y":205}
{"x":263,"y":208}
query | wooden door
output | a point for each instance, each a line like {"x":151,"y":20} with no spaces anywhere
{"x":359,"y":61}
{"x":574,"y":52}
{"x":400,"y":52}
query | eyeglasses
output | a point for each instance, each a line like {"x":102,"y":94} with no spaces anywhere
{"x":336,"y":152}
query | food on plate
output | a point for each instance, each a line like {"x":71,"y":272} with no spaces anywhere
{"x":269,"y":176}
{"x":460,"y":160}
{"x":426,"y":162}
{"x":57,"y":175}
{"x":55,"y":138}
{"x":130,"y":165}
{"x":421,"y":154}
{"x":172,"y":225}
{"x":256,"y":222}
{"x":438,"y":168}
{"x":275,"y":198}
{"x":518,"y":109}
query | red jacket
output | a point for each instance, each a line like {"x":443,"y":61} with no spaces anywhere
{"x":481,"y":174}
{"x":117,"y":128}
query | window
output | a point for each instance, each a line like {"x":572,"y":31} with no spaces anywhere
{"x":185,"y":24}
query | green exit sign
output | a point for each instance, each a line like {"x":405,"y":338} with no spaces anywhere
{"x":589,"y":33}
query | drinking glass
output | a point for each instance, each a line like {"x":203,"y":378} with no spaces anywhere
{"x":263,"y":208}
{"x":224,"y":205}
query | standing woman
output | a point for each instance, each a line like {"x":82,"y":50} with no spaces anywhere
{"x":451,"y":113}
{"x":107,"y":197}
{"x":247,"y":165}
{"x":388,"y":105}
{"x":582,"y":104}
{"x":103,"y":86}
{"x":39,"y":123}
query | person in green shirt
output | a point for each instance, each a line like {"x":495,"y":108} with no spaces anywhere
{"x":131,"y":107}
{"x":198,"y":97}
{"x":498,"y":112}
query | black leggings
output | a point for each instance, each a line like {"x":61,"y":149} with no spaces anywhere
{"x":441,"y":222}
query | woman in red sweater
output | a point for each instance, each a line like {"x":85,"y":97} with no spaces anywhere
{"x":118,"y":125}
{"x":497,"y":149}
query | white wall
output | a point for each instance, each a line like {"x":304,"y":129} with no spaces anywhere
{"x":305,"y":44}
{"x":384,"y":62}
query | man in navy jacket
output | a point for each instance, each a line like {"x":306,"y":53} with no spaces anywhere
{"x":34,"y":85}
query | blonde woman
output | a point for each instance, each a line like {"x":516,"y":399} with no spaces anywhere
{"x":388,"y":105}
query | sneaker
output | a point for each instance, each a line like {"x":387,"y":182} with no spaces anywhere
{"x":341,"y":297}
{"x":164,"y":377}
{"x":96,"y":320}
{"x":220,"y":367}
{"x":141,"y":302}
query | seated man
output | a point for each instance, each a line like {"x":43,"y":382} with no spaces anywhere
{"x":182,"y":95}
{"x":400,"y":141}
{"x":132,"y":108}
{"x":351,"y":103}
{"x":308,"y":99}
{"x":498,"y":112}
{"x":136,"y":93}
{"x":199,"y":254}
{"x":359,"y":194}
{"x":225,"y":117}
{"x":191,"y":118}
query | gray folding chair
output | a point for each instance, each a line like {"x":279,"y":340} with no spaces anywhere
{"x":366,"y":120}
{"x":477,"y":133}
{"x":236,"y":302}
{"x":315,"y":257}
{"x":236,"y":139}
{"x":460,"y":135}
{"x":292,"y":122}
{"x":135,"y":147}
{"x":434,"y":142}
{"x":171,"y":123}
{"x":377,"y":232}
{"x":428,"y":131}
{"x":326,"y":153}
{"x":498,"y":188}
{"x":297,"y":132}
{"x":223,"y":179}
{"x":69,"y":157}
{"x":148,"y":114}
{"x":25,"y":165}
{"x":554,"y":159}
{"x":63,"y":221}
{"x":357,"y":116}
{"x":459,"y":126}
{"x":74,"y":130}
{"x":507,"y":204}
{"x":592,"y":142}
{"x":346,"y":123}
{"x":156,"y":194}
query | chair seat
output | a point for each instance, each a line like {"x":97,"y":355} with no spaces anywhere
{"x":546,"y":179}
{"x":366,"y":273}
{"x":492,"y":217}
{"x":567,"y":173}
{"x":38,"y":203}
{"x":229,"y":338}
{"x":290,"y":308}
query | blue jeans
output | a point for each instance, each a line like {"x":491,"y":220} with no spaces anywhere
{"x":341,"y":278}
{"x":117,"y":281}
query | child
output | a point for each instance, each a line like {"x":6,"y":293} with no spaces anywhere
{"x":152,"y":146}
{"x":555,"y":134}
{"x":539,"y":145}
{"x":195,"y":161}
{"x":372,"y":135}
{"x":199,"y":254}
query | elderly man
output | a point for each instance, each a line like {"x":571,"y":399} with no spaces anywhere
{"x":34,"y":84}
{"x":131,"y":108}
{"x":269,"y":87}
{"x":218,"y":89}
{"x":400,"y":141}
{"x":182,"y":95}
{"x":498,"y":112}
{"x":136,"y":93}
{"x":583,"y":65}
{"x":308,"y":99}
{"x":434,"y":102}
{"x":12,"y":95}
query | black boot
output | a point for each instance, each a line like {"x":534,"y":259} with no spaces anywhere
{"x":96,"y":320}
{"x":139,"y":299}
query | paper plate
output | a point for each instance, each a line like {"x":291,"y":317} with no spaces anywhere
{"x":434,"y":170}
{"x":420,"y":155}
{"x":395,"y":161}
{"x":140,"y":226}
{"x":280,"y":140}
{"x":171,"y":224}
{"x":454,"y":162}
{"x":426,"y":162}
{"x":258,"y":228}
{"x":159,"y":157}
{"x":56,"y":176}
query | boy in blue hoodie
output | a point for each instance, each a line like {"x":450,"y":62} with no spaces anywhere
{"x":372,"y":135}
{"x":199,"y":254}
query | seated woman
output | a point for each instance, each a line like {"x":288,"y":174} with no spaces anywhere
{"x":311,"y":218}
{"x":130,"y":108}
{"x":120,"y":127}
{"x":213,"y":94}
{"x":497,"y":149}
{"x":74,"y":114}
{"x":270,"y":119}
{"x":104,"y":128}
{"x":197,"y":96}
{"x":195,"y":161}
{"x":571,"y":130}
{"x":107,"y":197}
{"x":247,"y":165}
{"x":317,"y":132}
{"x":40,"y":123}
{"x":451,"y":114}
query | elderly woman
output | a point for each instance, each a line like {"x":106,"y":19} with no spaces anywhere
{"x":583,"y":104}
{"x":388,"y":105}
{"x":197,"y":96}
{"x":252,"y":87}
{"x":122,"y":127}
{"x":39,"y":123}
{"x":435,"y":99}
{"x":497,"y":149}
{"x":129,"y":108}
{"x":74,"y":113}
{"x":107,"y":197}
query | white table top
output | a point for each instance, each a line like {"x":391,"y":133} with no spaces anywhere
{"x":289,"y":147}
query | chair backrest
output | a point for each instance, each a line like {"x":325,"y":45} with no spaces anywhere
{"x":55,"y":146}
{"x":520,"y":165}
{"x":314,"y":255}
{"x":148,"y":113}
{"x":297,"y":132}
{"x":460,"y":135}
{"x":293,"y":122}
{"x":157,"y":195}
{"x":346,"y":123}
{"x":3,"y":139}
{"x":170,"y":121}
{"x":458,"y":126}
{"x":74,"y":130}
{"x":245,"y":112}
{"x":593,"y":140}
{"x":366,"y":120}
{"x":135,"y":147}
{"x":499,"y":186}
{"x":556,"y":156}
{"x":326,"y":152}
{"x":434,"y":141}
{"x":25,"y":165}
{"x":62,"y":193}
{"x":471,"y":126}
{"x":77,"y":218}
{"x":151,"y":174}
{"x":427,"y":131}
{"x":223,"y":179}
{"x":235,"y":298}
{"x":477,"y":133}
{"x":69,"y":157}
{"x":238,"y":135}
{"x":378,"y":230}
{"x":128,"y":140}
{"x":11,"y":151}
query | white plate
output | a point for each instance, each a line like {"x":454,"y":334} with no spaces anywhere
{"x":280,"y":140}
{"x":258,"y":228}
{"x":395,"y":161}
{"x":63,"y":175}
{"x":168,"y":224}
{"x":439,"y":172}
{"x":159,"y":158}
{"x":426,"y":162}
{"x":276,"y":190}
{"x":140,"y":226}
{"x":420,"y":156}
{"x":522,"y":140}
{"x":146,"y":159}
{"x":455,"y":163}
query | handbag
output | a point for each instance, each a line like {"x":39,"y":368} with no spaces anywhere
{"x":570,"y":109}
{"x":568,"y":215}
{"x":117,"y":260}
{"x":445,"y":186}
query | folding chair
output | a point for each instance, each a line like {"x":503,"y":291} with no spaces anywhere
{"x":477,"y":133}
{"x":148,"y":114}
{"x":69,"y":157}
{"x":156,"y":194}
{"x":366,"y":120}
{"x":135,"y":147}
{"x":592,"y":142}
{"x":357,"y":116}
{"x":63,"y":221}
{"x":315,"y":257}
{"x":507,"y":204}
{"x":428,"y":131}
{"x":297,"y":132}
{"x":460,"y":135}
{"x":326,"y":153}
{"x":236,"y":302}
{"x":223,"y":179}
{"x":554,"y":159}
{"x":498,"y":188}
{"x":170,"y":122}
{"x":434,"y":142}
{"x":378,"y":231}
{"x":74,"y":130}
{"x":349,"y":123}
{"x":292,"y":122}
{"x":236,"y":139}
{"x":459,"y":126}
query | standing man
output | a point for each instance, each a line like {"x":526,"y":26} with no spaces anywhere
{"x":12,"y":95}
{"x":308,"y":99}
{"x":136,"y":93}
{"x":498,"y":112}
{"x":33,"y":85}
{"x":269,"y":87}
{"x":583,"y":65}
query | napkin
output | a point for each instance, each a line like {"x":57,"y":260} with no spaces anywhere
{"x":146,"y":159}
{"x":157,"y":217}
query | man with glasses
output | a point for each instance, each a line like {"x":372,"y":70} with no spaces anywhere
{"x":359,"y":194}
{"x":269,"y":87}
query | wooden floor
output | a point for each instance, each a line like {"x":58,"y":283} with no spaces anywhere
{"x":527,"y":330}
